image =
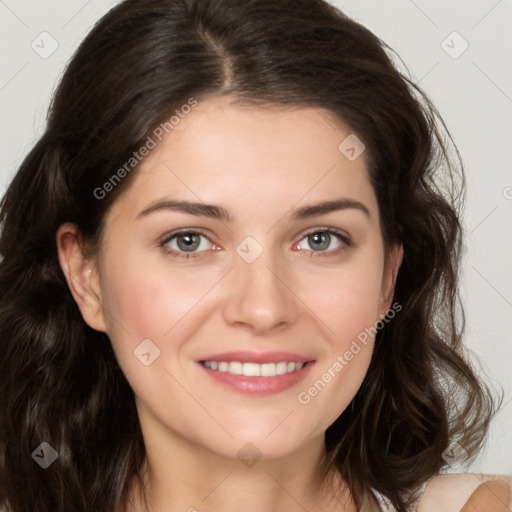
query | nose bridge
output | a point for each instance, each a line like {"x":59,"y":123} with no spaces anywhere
{"x":257,"y":293}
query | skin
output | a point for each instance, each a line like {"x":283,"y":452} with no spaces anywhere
{"x":260,"y":165}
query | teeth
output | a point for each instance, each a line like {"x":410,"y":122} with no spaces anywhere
{"x":254,"y":369}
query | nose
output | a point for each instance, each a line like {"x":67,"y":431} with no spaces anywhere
{"x":260,"y":295}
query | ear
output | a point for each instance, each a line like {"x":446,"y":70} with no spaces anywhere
{"x":81,"y":275}
{"x":391,"y":267}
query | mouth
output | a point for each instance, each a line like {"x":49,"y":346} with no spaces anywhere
{"x":257,"y":374}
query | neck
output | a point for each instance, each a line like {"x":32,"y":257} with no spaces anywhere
{"x":184,"y":477}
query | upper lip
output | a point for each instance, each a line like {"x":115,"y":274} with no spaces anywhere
{"x":257,"y":357}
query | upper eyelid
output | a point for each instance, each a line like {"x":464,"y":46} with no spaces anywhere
{"x":335,"y":231}
{"x":197,"y":231}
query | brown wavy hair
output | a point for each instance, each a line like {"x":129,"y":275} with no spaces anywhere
{"x":59,"y":379}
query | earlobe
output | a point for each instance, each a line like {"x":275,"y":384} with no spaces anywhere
{"x":391,"y":269}
{"x":81,"y":275}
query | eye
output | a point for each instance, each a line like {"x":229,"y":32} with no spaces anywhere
{"x":321,"y":239}
{"x":185,"y":244}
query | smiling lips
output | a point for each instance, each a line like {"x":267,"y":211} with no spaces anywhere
{"x":257,"y":373}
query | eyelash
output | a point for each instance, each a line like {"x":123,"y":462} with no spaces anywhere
{"x":342,"y":237}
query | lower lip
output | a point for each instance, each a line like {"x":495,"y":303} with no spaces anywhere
{"x":259,"y":385}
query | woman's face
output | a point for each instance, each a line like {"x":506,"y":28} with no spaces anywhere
{"x":278,"y":275}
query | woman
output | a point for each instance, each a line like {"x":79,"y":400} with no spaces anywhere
{"x":229,"y":276}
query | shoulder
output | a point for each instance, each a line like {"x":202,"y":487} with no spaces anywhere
{"x":467,"y":492}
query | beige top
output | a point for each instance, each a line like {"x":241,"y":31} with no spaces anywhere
{"x":463,"y":492}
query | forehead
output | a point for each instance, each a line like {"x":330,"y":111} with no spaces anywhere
{"x":251,"y":157}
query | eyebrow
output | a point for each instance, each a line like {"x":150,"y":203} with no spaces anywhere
{"x":217,"y":212}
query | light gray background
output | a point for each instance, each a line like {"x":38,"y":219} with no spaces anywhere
{"x":473,"y":92}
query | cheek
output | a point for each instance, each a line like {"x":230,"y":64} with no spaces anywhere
{"x":144,"y":302}
{"x":346,"y":300}
{"x":148,"y":300}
